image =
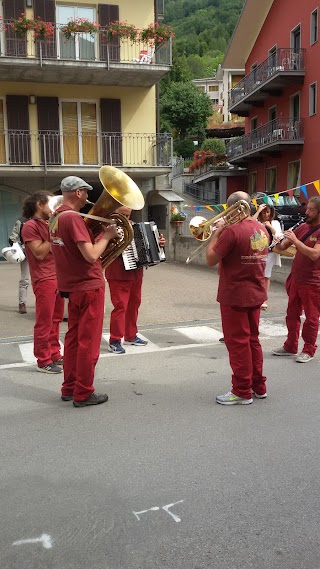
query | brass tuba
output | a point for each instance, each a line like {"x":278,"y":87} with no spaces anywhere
{"x":202,"y":228}
{"x":119,"y":189}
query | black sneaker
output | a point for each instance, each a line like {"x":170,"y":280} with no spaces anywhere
{"x":94,"y":399}
{"x":50,"y":368}
{"x":66,"y":397}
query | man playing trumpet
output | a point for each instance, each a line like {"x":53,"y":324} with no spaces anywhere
{"x":241,"y":250}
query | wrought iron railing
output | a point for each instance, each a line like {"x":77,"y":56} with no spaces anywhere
{"x":283,"y":59}
{"x":48,"y":148}
{"x":279,"y":130}
{"x":83,"y":47}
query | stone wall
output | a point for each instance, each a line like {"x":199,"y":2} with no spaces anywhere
{"x":181,"y":247}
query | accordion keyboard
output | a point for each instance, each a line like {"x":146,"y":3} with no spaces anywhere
{"x":130,"y":257}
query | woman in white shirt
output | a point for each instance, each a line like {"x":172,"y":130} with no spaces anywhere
{"x":265,"y":214}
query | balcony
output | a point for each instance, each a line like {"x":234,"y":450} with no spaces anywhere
{"x":82,"y":59}
{"x":51,"y":152}
{"x":276,"y":136}
{"x":283,"y":68}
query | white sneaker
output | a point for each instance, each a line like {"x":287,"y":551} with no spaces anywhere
{"x":303,"y":358}
{"x":232,"y":399}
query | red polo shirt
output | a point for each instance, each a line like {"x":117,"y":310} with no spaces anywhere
{"x":37,"y":230}
{"x":304,"y":270}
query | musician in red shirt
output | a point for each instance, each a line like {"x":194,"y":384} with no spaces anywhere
{"x":49,"y":304}
{"x":80,"y":279}
{"x":241,"y":251}
{"x":303,"y":285}
{"x":125,"y":293}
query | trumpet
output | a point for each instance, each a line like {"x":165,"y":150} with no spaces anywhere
{"x":202,"y":229}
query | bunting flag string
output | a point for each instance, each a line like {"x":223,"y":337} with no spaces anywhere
{"x":303,"y":189}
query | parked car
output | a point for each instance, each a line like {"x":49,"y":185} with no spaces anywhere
{"x":289,"y":210}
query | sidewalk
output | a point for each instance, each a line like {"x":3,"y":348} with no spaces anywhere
{"x":172,"y":292}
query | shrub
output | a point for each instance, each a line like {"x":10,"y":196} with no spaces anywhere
{"x":184,"y":148}
{"x":216,"y":145}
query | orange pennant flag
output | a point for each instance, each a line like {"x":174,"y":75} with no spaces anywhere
{"x":209,"y":207}
{"x":317,"y":186}
{"x":255,"y":203}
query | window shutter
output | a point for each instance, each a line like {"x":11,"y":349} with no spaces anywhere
{"x":109,"y":13}
{"x":18,"y":127}
{"x":46,"y":10}
{"x":111,"y":131}
{"x":12,"y":9}
{"x":49,"y":134}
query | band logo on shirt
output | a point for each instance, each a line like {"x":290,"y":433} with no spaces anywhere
{"x":259,"y":241}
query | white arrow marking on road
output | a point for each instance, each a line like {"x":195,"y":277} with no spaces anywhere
{"x":154,"y":509}
{"x":166,"y":509}
{"x":45,"y":539}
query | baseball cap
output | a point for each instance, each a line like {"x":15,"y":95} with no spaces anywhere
{"x":72,"y":183}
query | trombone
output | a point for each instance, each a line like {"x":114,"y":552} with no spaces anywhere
{"x":203,"y":229}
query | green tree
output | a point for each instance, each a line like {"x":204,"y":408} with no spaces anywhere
{"x":186,"y":109}
{"x":216,"y":145}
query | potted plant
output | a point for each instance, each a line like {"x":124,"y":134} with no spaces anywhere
{"x":42,"y":30}
{"x":22,"y":26}
{"x":79,"y":26}
{"x":156,"y":34}
{"x":121,"y":30}
{"x":177,"y":217}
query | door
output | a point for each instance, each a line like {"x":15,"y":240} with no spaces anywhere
{"x":79,"y":132}
{"x":111,"y":131}
{"x":81,"y":46}
{"x":109,"y":13}
{"x":12,"y":10}
{"x":46,"y":11}
{"x":48,"y":126}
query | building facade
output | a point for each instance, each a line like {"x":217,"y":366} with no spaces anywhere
{"x":277,"y":42}
{"x":74,"y":102}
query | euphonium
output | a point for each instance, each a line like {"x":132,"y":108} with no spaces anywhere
{"x":119,"y":189}
{"x":202,"y":228}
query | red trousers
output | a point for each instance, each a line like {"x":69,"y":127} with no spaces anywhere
{"x":126,"y":299}
{"x":241,"y":335}
{"x":82,"y":342}
{"x":307,"y":298}
{"x":49,"y":314}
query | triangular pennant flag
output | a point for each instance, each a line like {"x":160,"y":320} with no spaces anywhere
{"x":255,"y":203}
{"x":304,"y":190}
{"x":209,"y":207}
{"x":198,"y":207}
{"x":317,"y":186}
{"x":290,"y":193}
{"x":217,"y":207}
{"x":265,"y":199}
{"x":276,"y":197}
{"x":224,"y":205}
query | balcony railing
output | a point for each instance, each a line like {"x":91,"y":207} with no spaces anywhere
{"x":279,"y":132}
{"x":53,"y":148}
{"x":282,"y":60}
{"x":82,"y":47}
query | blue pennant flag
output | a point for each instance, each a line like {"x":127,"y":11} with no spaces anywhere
{"x":304,"y":189}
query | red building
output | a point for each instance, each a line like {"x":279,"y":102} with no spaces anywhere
{"x":277,"y":42}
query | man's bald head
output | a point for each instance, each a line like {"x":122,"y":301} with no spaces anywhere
{"x":236,"y":196}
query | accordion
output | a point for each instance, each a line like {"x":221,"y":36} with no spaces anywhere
{"x":144,"y":250}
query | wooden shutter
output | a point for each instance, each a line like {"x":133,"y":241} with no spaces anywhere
{"x":12,"y":10}
{"x":109,"y":13}
{"x":49,"y":134}
{"x":18,"y":129}
{"x":111,"y":131}
{"x":46,"y":10}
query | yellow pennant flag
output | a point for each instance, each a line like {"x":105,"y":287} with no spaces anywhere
{"x":255,"y":203}
{"x":317,"y":186}
{"x":224,"y":205}
{"x":276,"y":197}
{"x":209,"y":207}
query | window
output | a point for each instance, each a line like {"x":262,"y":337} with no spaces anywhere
{"x":254,"y":123}
{"x":272,"y":114}
{"x":79,"y":127}
{"x":252,"y":186}
{"x":312,"y":99}
{"x":271,"y":180}
{"x":81,"y":46}
{"x":272,"y":60}
{"x":314,"y":27}
{"x":213,"y":88}
{"x":294,"y":170}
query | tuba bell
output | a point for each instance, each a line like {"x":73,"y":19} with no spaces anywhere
{"x":118,"y":190}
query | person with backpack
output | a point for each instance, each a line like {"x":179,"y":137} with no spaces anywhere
{"x":16,"y":237}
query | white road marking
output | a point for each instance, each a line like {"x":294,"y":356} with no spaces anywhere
{"x":269,"y":328}
{"x":44,"y":539}
{"x":202,"y":334}
{"x":166,"y":509}
{"x":26,"y":351}
{"x":154,"y":509}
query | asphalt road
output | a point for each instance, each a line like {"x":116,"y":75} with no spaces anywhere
{"x":161,"y":476}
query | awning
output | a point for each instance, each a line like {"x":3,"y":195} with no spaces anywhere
{"x":170,"y":196}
